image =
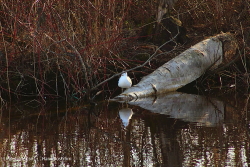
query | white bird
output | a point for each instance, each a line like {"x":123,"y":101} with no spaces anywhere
{"x":124,"y":81}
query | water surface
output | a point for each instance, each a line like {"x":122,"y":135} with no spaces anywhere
{"x":173,"y":130}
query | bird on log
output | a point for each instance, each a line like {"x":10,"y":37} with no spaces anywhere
{"x":124,"y":81}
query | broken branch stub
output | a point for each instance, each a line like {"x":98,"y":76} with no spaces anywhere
{"x":183,"y":69}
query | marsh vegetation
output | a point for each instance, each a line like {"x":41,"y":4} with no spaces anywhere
{"x":53,"y":49}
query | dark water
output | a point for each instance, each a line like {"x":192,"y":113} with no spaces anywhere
{"x":173,"y":130}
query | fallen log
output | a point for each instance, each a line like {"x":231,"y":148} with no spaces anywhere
{"x":186,"y":67}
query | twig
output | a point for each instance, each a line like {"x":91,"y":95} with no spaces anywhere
{"x":82,"y":63}
{"x":7,"y":62}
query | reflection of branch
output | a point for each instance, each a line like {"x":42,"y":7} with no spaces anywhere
{"x":112,"y":136}
{"x":140,"y":66}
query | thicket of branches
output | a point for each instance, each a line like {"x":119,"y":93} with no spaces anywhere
{"x":66,"y":48}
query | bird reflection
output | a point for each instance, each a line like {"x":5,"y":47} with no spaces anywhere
{"x":125,"y":115}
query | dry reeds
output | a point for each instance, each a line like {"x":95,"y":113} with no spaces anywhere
{"x":49,"y":47}
{"x":66,"y":48}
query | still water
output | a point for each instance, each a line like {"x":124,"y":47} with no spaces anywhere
{"x":173,"y":130}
